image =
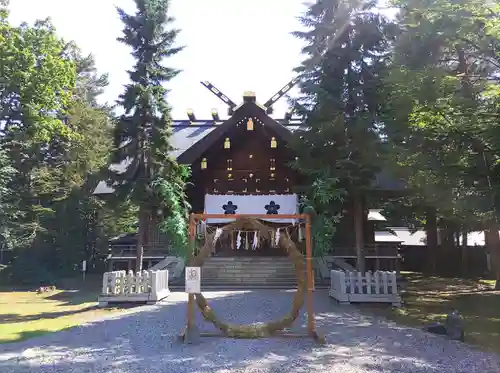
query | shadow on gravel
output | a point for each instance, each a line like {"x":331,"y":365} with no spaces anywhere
{"x":147,"y":341}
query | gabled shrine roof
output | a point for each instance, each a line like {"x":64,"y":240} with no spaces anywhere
{"x":191,"y":139}
{"x":186,"y":134}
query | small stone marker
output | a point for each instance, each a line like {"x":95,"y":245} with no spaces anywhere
{"x":454,"y":326}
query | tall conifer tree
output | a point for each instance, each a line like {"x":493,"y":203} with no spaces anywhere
{"x":141,"y":136}
{"x":345,"y":55}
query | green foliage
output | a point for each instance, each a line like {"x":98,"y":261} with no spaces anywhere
{"x":345,"y":57}
{"x":175,"y":223}
{"x":142,"y":133}
{"x":443,"y":113}
{"x":56,"y":140}
{"x":37,"y":80}
{"x":8,"y":210}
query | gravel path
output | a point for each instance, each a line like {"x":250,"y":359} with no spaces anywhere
{"x":144,"y":340}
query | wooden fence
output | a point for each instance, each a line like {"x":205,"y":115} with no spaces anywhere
{"x":126,"y":287}
{"x":354,"y":287}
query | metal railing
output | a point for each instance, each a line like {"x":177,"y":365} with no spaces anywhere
{"x":369,"y":250}
{"x":129,"y":251}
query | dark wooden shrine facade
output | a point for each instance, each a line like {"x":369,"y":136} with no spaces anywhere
{"x":245,"y":154}
{"x":250,"y":159}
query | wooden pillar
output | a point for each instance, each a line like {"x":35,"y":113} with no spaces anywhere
{"x":309,"y":258}
{"x":358,"y":212}
{"x":190,"y":320}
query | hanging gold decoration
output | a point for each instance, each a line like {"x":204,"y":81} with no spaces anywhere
{"x":250,"y":124}
{"x":204,"y":164}
{"x":227,"y":143}
{"x":274,"y":143}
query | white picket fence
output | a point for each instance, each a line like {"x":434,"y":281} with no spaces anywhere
{"x":354,"y":287}
{"x":125,"y":287}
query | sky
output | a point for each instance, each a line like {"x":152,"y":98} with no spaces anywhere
{"x":237,"y":45}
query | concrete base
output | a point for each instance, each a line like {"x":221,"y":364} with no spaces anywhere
{"x":146,"y":298}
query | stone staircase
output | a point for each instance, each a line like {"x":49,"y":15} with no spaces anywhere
{"x":245,"y":273}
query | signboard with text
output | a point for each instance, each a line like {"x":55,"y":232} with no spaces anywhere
{"x":193,"y":280}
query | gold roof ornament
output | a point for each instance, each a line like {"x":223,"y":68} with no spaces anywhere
{"x":250,"y":124}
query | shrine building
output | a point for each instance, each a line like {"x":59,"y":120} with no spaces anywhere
{"x":240,"y":165}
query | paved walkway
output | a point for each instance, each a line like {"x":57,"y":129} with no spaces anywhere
{"x":144,"y":341}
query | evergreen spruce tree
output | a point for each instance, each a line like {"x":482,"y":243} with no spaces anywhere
{"x":346,"y":52}
{"x":141,"y":136}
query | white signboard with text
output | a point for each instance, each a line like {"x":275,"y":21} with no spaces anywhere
{"x":193,"y":280}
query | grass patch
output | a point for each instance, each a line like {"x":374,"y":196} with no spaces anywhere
{"x":430,"y":299}
{"x":26,"y":314}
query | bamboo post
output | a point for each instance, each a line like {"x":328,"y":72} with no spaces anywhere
{"x":310,"y":315}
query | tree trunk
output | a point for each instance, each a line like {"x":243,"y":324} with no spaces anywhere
{"x":465,"y":244}
{"x":432,"y":237}
{"x":493,"y":245}
{"x":142,"y":226}
{"x":358,"y":212}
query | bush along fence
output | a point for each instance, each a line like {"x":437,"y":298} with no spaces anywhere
{"x":354,"y":287}
{"x":129,"y":287}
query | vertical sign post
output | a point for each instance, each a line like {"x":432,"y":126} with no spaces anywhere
{"x":193,"y":280}
{"x":84,"y":268}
